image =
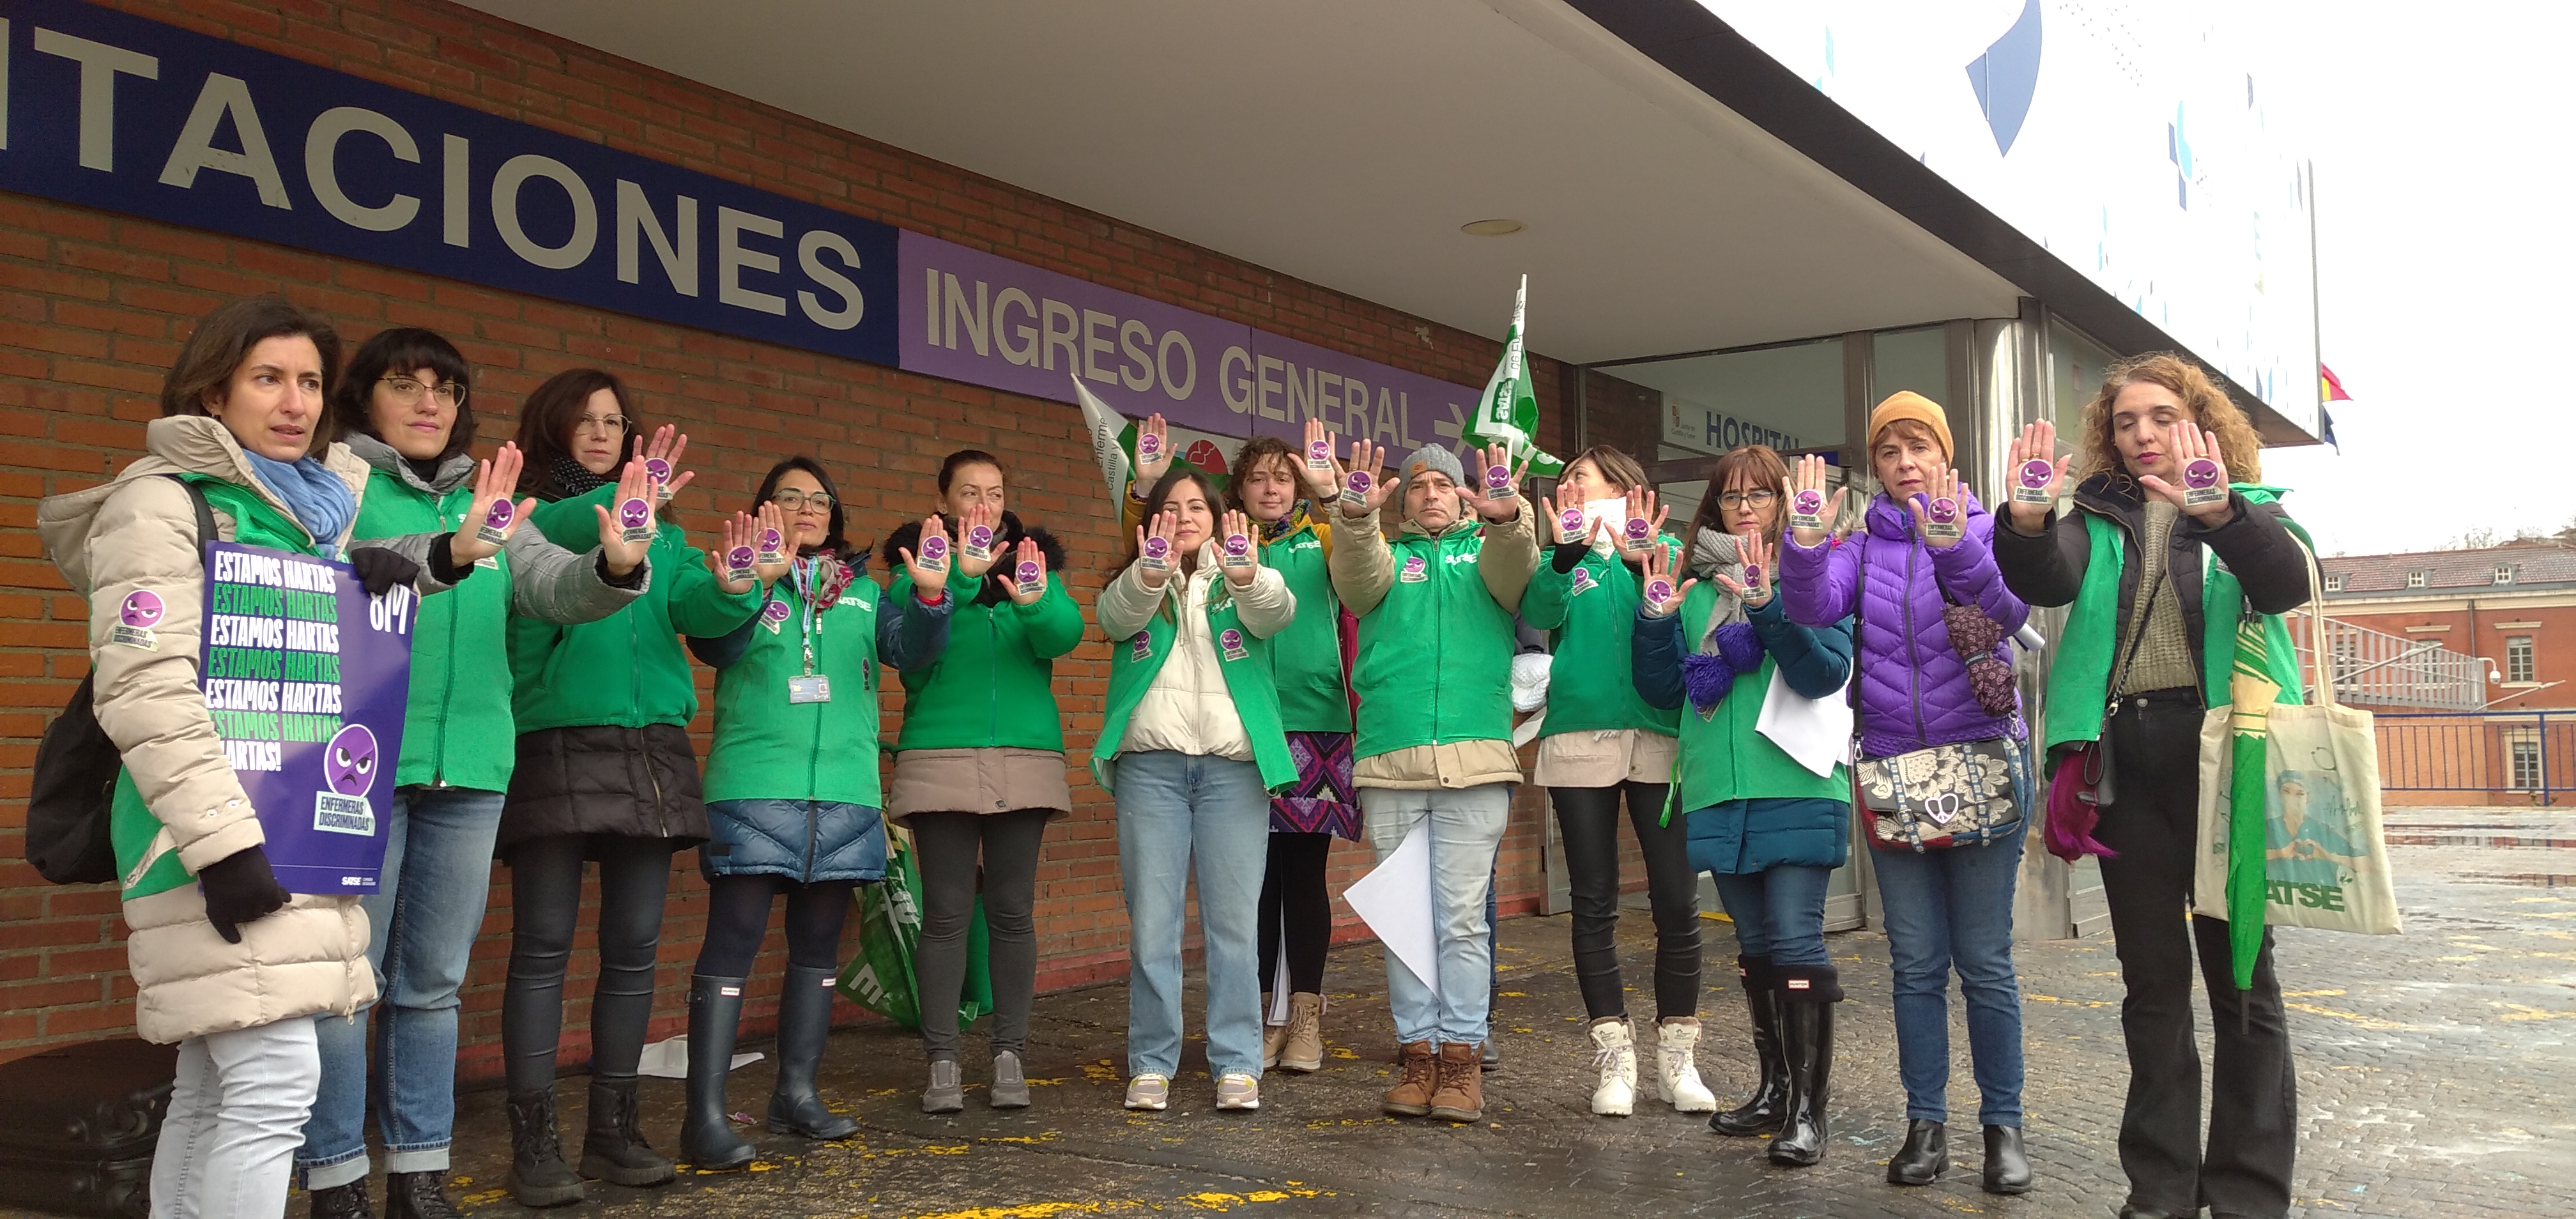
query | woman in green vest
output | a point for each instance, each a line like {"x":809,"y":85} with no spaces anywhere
{"x":1768,"y":828}
{"x":2172,"y":540}
{"x":792,"y":797}
{"x":228,"y":966}
{"x":979,"y":765}
{"x":1600,"y":741}
{"x":1435,"y":751}
{"x":605,"y":772}
{"x":1296,"y":539}
{"x":1191,"y":746}
{"x":403,"y":408}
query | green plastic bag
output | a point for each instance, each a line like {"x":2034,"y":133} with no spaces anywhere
{"x":880,"y":977}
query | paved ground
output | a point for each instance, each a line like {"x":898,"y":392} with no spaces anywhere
{"x":2435,"y":1076}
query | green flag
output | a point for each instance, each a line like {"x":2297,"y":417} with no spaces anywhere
{"x":1507,"y":413}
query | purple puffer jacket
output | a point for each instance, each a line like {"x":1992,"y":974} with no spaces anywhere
{"x":1913,"y":685}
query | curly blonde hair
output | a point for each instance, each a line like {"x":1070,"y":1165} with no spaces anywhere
{"x":2238,"y":446}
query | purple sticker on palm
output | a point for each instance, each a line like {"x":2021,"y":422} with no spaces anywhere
{"x":980,"y":537}
{"x":1498,"y":481}
{"x":738,"y":562}
{"x":636,"y":518}
{"x":1158,"y":548}
{"x":657,"y":469}
{"x":1319,"y":455}
{"x":1032,"y":577}
{"x":934,"y":550}
{"x":1148,"y":447}
{"x":499,"y":517}
{"x":1358,"y":485}
{"x":2201,"y":474}
{"x":1570,"y":523}
{"x":349,"y":761}
{"x":2036,"y":472}
{"x":1638,"y":530}
{"x":142,"y":608}
{"x":1237,"y":548}
{"x":1943,"y":511}
{"x":1809,"y":502}
{"x":1658,"y":591}
{"x":1752,"y":575}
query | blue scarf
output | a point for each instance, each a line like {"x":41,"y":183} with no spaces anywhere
{"x":320,"y":501}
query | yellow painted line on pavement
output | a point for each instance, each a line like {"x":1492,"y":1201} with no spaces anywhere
{"x":2521,"y":1012}
{"x":2368,"y":1022}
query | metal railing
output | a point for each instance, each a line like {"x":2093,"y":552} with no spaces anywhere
{"x":2518,"y":753}
{"x":2376,"y":669}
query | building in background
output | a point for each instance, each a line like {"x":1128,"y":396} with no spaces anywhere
{"x":877,"y":233}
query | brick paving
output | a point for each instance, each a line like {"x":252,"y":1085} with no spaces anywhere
{"x":2434,"y":1072}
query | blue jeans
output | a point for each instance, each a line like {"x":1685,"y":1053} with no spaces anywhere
{"x":1466,"y":829}
{"x":1954,"y":909}
{"x":421,"y":926}
{"x":1779,"y":912}
{"x":1175,"y":809}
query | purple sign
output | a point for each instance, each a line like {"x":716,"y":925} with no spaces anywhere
{"x":305,"y":676}
{"x":986,"y":320}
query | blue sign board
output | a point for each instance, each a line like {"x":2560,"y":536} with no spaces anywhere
{"x":129,"y":115}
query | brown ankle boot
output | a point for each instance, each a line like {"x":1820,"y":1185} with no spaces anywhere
{"x":1411,"y":1096}
{"x":1461,"y":1094}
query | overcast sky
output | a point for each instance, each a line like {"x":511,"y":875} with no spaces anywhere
{"x":2446,"y":273}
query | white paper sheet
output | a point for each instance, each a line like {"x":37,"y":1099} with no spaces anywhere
{"x":669,"y":1059}
{"x":1814,"y":732}
{"x":1394,"y":899}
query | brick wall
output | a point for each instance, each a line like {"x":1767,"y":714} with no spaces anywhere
{"x":93,"y":307}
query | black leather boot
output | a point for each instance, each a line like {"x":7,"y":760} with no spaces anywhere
{"x":1806,"y":998}
{"x":1760,"y":1113}
{"x":2007,"y":1169}
{"x":614,"y":1150}
{"x":538,"y":1174}
{"x":707,"y":1140}
{"x":1924,"y":1157}
{"x":343,"y":1201}
{"x":418,"y":1195}
{"x":804,"y":1023}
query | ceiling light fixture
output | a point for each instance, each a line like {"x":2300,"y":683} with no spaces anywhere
{"x":1491,"y":228}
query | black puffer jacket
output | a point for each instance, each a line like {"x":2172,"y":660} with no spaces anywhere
{"x":630,"y":782}
{"x":997,"y":584}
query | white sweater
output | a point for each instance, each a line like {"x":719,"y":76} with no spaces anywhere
{"x":1188,"y":708}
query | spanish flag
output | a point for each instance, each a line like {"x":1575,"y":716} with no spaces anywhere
{"x":2330,"y":387}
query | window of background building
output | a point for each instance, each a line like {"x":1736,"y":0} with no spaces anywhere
{"x":2414,"y":579}
{"x":2504,"y":573}
{"x":2334,"y":583}
{"x":1790,"y":396}
{"x":2076,"y":366}
{"x":1910,"y":359}
{"x":2518,"y":663}
{"x":2526,"y":761}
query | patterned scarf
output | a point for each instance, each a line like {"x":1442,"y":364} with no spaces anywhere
{"x":567,"y":478}
{"x":1272,"y":531}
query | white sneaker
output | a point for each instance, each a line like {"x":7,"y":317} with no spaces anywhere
{"x":1149,"y":1093}
{"x":1615,"y":1053}
{"x":1676,"y":1074}
{"x":1238,"y":1091}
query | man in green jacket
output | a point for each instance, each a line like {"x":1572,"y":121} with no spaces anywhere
{"x":1434,"y":743}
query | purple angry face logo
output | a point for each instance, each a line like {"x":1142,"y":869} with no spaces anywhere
{"x":769,"y":540}
{"x":1029,"y":572}
{"x":1237,"y":545}
{"x":1659,"y":591}
{"x":634,"y":513}
{"x":499,"y":516}
{"x":1360,"y":481}
{"x":934,"y":548}
{"x":657,"y":469}
{"x":349,"y":761}
{"x":1582,"y":579}
{"x":1498,"y":479}
{"x":774,"y":613}
{"x":1752,"y":575}
{"x":980,"y":537}
{"x":142,"y":608}
{"x":1570,"y":521}
{"x":1319,"y":452}
{"x":1944,"y":510}
{"x":1637,"y":530}
{"x":1416,"y":569}
{"x":739,"y":558}
{"x":1157,"y":547}
{"x":1230,"y":639}
{"x":1148,"y":447}
{"x":2201,"y":474}
{"x":1810,"y":502}
{"x":2036,"y":472}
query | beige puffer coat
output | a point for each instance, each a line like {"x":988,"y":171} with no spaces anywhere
{"x":138,"y":532}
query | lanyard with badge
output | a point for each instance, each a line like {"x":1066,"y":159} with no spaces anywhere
{"x":809,"y":686}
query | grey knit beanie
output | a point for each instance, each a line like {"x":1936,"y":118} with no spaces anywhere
{"x":1428,"y":457}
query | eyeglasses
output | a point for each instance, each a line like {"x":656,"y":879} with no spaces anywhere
{"x":600,"y":423}
{"x":407,"y":391}
{"x":1745,"y":499}
{"x":790,"y":501}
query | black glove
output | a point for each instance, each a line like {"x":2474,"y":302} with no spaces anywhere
{"x":240,"y":888}
{"x":380,"y":569}
{"x":1569,"y":555}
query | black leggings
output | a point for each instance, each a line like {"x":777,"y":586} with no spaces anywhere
{"x":1293,"y":900}
{"x":1588,"y":819}
{"x":738,"y":919}
{"x":545,"y":910}
{"x":949,"y":843}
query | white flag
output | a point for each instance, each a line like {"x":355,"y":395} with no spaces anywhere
{"x":1107,"y":428}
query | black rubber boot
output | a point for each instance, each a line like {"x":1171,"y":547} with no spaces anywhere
{"x":1924,"y":1157}
{"x":343,"y":1201}
{"x":707,"y":1140}
{"x":804,"y":1024}
{"x":2007,"y":1169}
{"x":614,"y":1150}
{"x":1806,"y":999}
{"x":538,"y":1174}
{"x":1760,"y":1113}
{"x":418,"y":1195}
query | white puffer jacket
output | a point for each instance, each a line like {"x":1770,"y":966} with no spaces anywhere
{"x":1188,"y":708}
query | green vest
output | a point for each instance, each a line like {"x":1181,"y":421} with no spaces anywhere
{"x":994,"y":685}
{"x":1242,"y":658}
{"x":767,"y":748}
{"x":1435,"y":662}
{"x":2079,"y":675}
{"x":1591,"y":612}
{"x":1721,"y":757}
{"x":1306,"y":658}
{"x":131,"y":827}
{"x":457,"y":729}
